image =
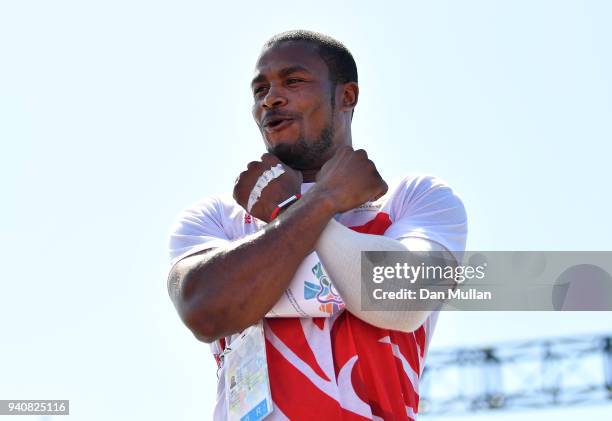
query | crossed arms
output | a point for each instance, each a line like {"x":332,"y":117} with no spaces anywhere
{"x":221,"y":291}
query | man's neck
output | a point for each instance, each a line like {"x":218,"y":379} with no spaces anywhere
{"x":310,"y":176}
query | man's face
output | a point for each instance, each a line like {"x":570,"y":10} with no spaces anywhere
{"x":293,"y":105}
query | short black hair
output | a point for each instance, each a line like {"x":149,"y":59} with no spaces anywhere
{"x":339,"y":60}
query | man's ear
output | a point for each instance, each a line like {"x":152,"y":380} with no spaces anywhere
{"x":349,"y":94}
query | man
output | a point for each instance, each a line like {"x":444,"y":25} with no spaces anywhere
{"x":231,"y":266}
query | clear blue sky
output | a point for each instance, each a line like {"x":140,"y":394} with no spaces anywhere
{"x":115,"y":115}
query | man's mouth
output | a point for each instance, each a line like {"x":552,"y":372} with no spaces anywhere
{"x":277,"y":124}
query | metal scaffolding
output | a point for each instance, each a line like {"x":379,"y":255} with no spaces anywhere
{"x":534,"y":374}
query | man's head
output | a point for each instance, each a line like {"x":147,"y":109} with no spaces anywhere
{"x":305,"y":90}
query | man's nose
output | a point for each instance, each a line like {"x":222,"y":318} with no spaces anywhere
{"x":274,"y":98}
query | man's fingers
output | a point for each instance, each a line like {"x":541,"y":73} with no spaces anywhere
{"x":254,"y":165}
{"x":269,"y":160}
{"x":236,"y":192}
{"x":361,"y":153}
{"x":240,"y":176}
{"x":385,"y":188}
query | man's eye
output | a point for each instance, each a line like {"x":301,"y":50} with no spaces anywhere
{"x":294,"y":81}
{"x":258,"y":90}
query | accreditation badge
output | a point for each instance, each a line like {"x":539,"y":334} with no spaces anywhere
{"x":247,"y":385}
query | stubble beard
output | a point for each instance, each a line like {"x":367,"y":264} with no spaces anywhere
{"x":305,"y":155}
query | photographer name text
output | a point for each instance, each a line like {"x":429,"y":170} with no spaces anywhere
{"x":426,"y":294}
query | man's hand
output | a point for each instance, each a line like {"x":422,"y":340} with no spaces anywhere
{"x":274,"y":193}
{"x":350,"y":179}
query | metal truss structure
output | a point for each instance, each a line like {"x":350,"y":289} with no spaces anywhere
{"x":534,"y":374}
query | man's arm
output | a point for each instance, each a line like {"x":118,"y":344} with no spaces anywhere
{"x":339,"y":249}
{"x":430,"y":217}
{"x":222,"y":291}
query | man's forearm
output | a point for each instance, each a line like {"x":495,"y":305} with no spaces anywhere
{"x":223,"y":291}
{"x":339,"y":249}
